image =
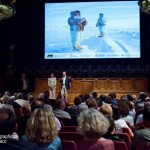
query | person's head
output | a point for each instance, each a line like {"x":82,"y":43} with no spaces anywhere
{"x":142,"y":96}
{"x":5,"y":99}
{"x":77,"y":13}
{"x":81,"y":108}
{"x":59,"y":104}
{"x":123,"y":108}
{"x":95,"y":94}
{"x":102,"y":97}
{"x":91,"y":103}
{"x":36,"y":104}
{"x":92,"y":124}
{"x":77,"y":101}
{"x":124,"y":98}
{"x":41,"y":127}
{"x":19,"y":95}
{"x":64,"y":73}
{"x":41,"y":96}
{"x":101,"y":15}
{"x":108,"y":99}
{"x":113,"y":95}
{"x":52,"y":75}
{"x":72,"y":13}
{"x":106,"y":110}
{"x":8,"y":120}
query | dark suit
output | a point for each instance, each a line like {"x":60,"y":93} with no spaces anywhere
{"x":67,"y":82}
{"x":65,"y":87}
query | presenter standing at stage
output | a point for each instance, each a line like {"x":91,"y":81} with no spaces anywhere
{"x":65,"y":85}
{"x":52,"y":86}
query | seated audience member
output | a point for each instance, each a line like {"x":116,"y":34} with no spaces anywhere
{"x":36,"y":104}
{"x":141,"y":99}
{"x":93,"y":125}
{"x":42,"y":130}
{"x":119,"y":122}
{"x":106,"y":110}
{"x":8,"y":124}
{"x":59,"y":110}
{"x":114,"y":101}
{"x":124,"y":112}
{"x":108,"y":100}
{"x":5,"y":99}
{"x":39,"y":104}
{"x":131,"y":109}
{"x":81,"y":108}
{"x":143,"y":135}
{"x":22,"y":102}
{"x":91,"y":103}
{"x":22,"y":117}
{"x":49,"y":107}
{"x":73,"y":110}
{"x":102,"y":99}
{"x":111,"y":130}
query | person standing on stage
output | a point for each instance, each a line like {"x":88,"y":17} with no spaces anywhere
{"x":65,"y":85}
{"x":52,"y":86}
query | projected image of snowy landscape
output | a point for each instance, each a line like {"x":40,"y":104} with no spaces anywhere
{"x":122,"y":30}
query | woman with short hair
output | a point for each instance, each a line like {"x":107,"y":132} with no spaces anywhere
{"x":93,"y":125}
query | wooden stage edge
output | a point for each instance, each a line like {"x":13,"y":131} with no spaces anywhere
{"x":120,"y":86}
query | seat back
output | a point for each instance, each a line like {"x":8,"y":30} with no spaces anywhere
{"x":119,"y":145}
{"x":66,"y":144}
{"x":73,"y":136}
{"x":126,"y":130}
{"x":68,"y":129}
{"x":143,"y":146}
{"x":125,"y":137}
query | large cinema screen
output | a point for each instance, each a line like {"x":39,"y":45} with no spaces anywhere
{"x":79,"y":30}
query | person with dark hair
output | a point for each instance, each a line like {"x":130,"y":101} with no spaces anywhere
{"x":65,"y":80}
{"x":91,"y":103}
{"x":52,"y":86}
{"x":59,"y":109}
{"x":73,"y":110}
{"x":114,"y":101}
{"x":36,"y":104}
{"x":111,"y":130}
{"x":8,"y":125}
{"x":143,"y":135}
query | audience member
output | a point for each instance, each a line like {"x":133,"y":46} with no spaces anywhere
{"x":8,"y":126}
{"x":59,"y":110}
{"x":91,"y":103}
{"x":42,"y":130}
{"x":93,"y":125}
{"x":143,"y":135}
